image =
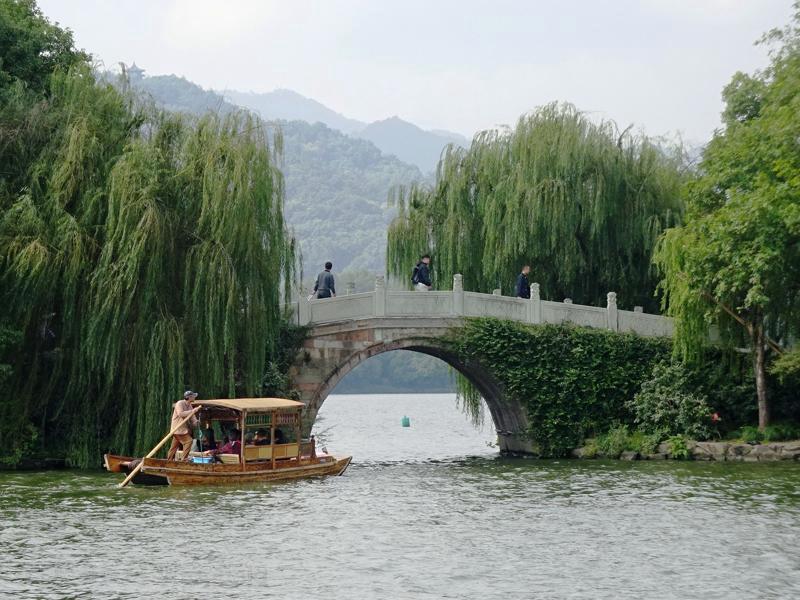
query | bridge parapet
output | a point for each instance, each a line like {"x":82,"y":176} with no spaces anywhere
{"x":382,"y":302}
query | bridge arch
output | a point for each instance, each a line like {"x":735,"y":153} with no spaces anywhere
{"x":331,"y":352}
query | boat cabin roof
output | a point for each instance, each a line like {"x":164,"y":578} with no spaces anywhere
{"x":252,"y":405}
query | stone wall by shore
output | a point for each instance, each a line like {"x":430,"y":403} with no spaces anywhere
{"x":719,"y":451}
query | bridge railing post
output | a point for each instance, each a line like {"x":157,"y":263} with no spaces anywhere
{"x":612,"y":314}
{"x":534,"y":307}
{"x":303,"y":311}
{"x":458,"y":294}
{"x":380,"y":296}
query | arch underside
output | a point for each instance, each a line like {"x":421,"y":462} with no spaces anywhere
{"x":508,"y":417}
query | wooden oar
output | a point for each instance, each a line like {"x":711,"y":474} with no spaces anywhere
{"x":138,"y":468}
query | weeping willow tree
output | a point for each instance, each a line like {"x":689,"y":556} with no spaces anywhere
{"x":579,"y":201}
{"x":144,"y":253}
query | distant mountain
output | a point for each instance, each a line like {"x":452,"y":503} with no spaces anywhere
{"x":394,"y":136}
{"x":179,"y":94}
{"x":291,"y":106}
{"x":336,"y":185}
{"x":410,"y":143}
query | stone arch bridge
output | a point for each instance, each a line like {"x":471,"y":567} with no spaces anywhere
{"x":347,"y":330}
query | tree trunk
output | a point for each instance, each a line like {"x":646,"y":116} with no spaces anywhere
{"x":761,"y":378}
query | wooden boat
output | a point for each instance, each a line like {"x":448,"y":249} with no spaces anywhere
{"x":281,"y":456}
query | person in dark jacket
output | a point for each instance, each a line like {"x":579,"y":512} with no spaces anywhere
{"x":523,"y":287}
{"x":421,"y":277}
{"x":325,"y":287}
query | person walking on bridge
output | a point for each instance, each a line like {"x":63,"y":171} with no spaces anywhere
{"x":421,"y":277}
{"x":523,"y":286}
{"x":325,"y":286}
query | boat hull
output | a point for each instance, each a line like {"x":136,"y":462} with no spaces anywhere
{"x":159,"y":471}
{"x":115,"y":463}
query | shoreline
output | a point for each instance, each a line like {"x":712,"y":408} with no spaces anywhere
{"x":711,"y":451}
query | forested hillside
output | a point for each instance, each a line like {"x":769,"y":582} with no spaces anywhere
{"x":336,"y":189}
{"x":336,"y":185}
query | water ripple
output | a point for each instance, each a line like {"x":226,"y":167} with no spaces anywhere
{"x":403,"y":526}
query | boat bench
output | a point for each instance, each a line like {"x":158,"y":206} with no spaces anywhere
{"x":225,"y":458}
{"x":253,"y":453}
{"x":266,"y":452}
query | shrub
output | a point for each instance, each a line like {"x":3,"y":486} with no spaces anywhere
{"x":619,"y":439}
{"x":781,"y":432}
{"x":678,"y":447}
{"x":9,"y":339}
{"x":276,"y":383}
{"x":645,"y":443}
{"x":614,"y":442}
{"x":21,"y":447}
{"x":751,"y":435}
{"x":665,"y":403}
{"x":590,"y":450}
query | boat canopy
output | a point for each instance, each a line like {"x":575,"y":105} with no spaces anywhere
{"x":251,"y":405}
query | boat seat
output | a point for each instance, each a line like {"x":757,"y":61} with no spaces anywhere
{"x":280,"y":451}
{"x":229,"y":459}
{"x":287,"y":450}
{"x":257,"y":452}
{"x":179,"y":454}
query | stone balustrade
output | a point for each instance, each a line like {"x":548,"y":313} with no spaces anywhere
{"x":384,"y":303}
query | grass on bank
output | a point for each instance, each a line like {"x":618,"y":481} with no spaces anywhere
{"x":621,"y":439}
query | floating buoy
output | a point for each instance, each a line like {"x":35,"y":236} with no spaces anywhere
{"x":405,"y":422}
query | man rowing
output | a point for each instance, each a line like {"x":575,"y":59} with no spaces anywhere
{"x":182,"y":436}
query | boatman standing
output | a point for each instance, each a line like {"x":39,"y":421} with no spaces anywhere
{"x":182,"y":436}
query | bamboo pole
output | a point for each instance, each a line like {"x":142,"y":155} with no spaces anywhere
{"x":138,"y":468}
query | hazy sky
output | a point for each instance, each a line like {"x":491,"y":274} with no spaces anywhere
{"x":461,"y":65}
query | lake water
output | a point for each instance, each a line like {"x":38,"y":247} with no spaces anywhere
{"x":428,"y":511}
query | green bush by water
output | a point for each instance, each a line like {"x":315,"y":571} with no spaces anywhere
{"x":573,"y":382}
{"x":779,"y":432}
{"x":577,"y":383}
{"x":667,"y":403}
{"x":621,"y":439}
{"x":614,"y":442}
{"x":678,"y":447}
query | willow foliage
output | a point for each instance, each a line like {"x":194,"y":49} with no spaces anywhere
{"x":579,"y":201}
{"x":145,"y":252}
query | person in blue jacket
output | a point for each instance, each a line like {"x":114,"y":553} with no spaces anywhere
{"x":523,"y":286}
{"x":421,"y":277}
